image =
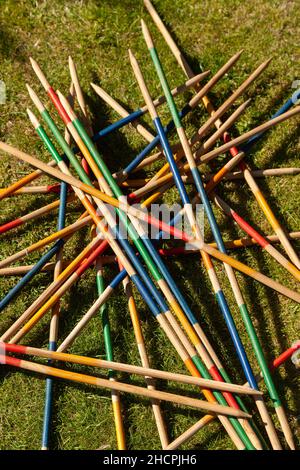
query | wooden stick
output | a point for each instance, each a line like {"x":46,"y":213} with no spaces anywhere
{"x":122,"y":387}
{"x":263,"y":204}
{"x":159,"y":101}
{"x":108,"y":345}
{"x":76,"y":267}
{"x":235,"y":175}
{"x":203,"y":421}
{"x":33,"y":215}
{"x":79,"y":95}
{"x":230,"y":244}
{"x":160,"y":316}
{"x":4,"y":192}
{"x":209,"y":143}
{"x":251,"y":183}
{"x":192,"y":103}
{"x":127,"y":368}
{"x":139,"y":338}
{"x":204,"y":158}
{"x":222,"y":109}
{"x":20,"y":270}
{"x":81,"y":222}
{"x":43,"y":189}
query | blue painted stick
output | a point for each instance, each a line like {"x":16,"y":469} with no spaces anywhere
{"x":28,"y":276}
{"x":52,"y":340}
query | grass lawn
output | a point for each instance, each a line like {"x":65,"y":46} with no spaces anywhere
{"x":97,"y":35}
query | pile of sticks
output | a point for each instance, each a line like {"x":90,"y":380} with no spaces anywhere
{"x":118,"y":203}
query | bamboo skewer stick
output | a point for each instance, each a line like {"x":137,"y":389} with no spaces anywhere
{"x":235,"y":175}
{"x":122,"y":387}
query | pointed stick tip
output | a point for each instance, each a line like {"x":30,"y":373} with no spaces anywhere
{"x":132,"y":57}
{"x":72,"y":68}
{"x":35,"y":99}
{"x":66,"y":104}
{"x":30,"y":90}
{"x":147,"y":35}
{"x":32,"y":118}
{"x":266,"y":62}
{"x":247,"y":102}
